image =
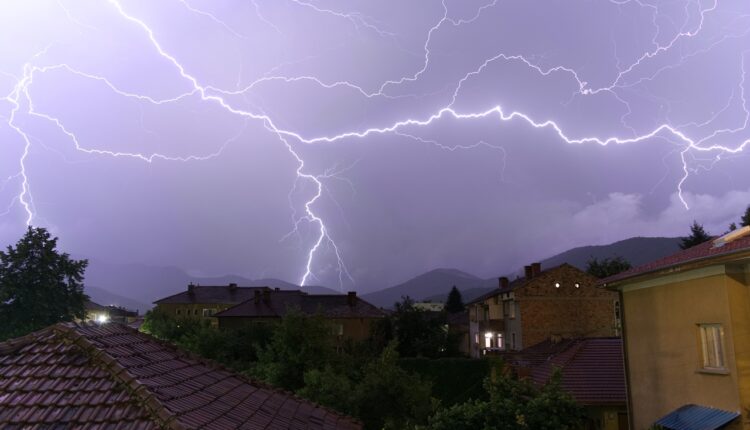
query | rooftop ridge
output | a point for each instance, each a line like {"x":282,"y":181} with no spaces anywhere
{"x":109,"y":364}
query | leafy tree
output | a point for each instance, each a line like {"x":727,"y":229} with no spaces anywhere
{"x":388,"y":397}
{"x":419,"y":333}
{"x":514,"y":405}
{"x":697,"y":236}
{"x":39,"y":286}
{"x":300,"y":343}
{"x":732,"y":226}
{"x":606,"y":266}
{"x":745,"y":220}
{"x":455,"y":303}
{"x":330,"y":387}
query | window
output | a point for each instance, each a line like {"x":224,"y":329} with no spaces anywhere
{"x":178,"y":311}
{"x":476,"y":338}
{"x":513,"y":341}
{"x":500,"y":343}
{"x":510,"y":309}
{"x":712,"y":346}
{"x":208,"y":312}
{"x":488,"y":340}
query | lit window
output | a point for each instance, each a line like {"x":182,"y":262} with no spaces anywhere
{"x":488,"y":340}
{"x":712,"y":346}
{"x":476,"y":338}
{"x":500,"y":343}
{"x":578,"y":285}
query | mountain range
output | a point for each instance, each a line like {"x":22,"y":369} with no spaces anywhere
{"x":135,"y":286}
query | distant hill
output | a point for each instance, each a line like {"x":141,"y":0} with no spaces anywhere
{"x":435,"y":285}
{"x":428,"y":284}
{"x":637,"y":250}
{"x":140,"y":285}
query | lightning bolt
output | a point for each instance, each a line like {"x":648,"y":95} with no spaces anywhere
{"x":22,"y":103}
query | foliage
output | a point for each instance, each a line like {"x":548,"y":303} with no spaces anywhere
{"x":236,"y":348}
{"x":329,"y":387}
{"x":454,"y":380}
{"x":388,"y":397}
{"x":606,"y":266}
{"x":419,"y":333}
{"x":299,"y":343}
{"x":513,"y":405}
{"x":745,"y":219}
{"x":732,"y":226}
{"x":455,"y":302}
{"x":39,"y":286}
{"x":697,"y":236}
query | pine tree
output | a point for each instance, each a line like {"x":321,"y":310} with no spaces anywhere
{"x":455,"y":303}
{"x":697,"y":236}
{"x":745,"y":220}
{"x":606,"y":266}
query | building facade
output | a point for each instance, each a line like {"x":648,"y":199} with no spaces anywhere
{"x":560,"y":302}
{"x":687,"y":332}
{"x":203,"y":302}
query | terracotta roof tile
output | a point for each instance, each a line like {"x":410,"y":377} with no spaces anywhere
{"x":704,"y":251}
{"x":111,"y":376}
{"x":593,"y":371}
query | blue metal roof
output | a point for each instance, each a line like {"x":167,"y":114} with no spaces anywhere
{"x":694,"y":417}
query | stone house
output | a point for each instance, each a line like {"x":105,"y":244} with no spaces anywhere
{"x":561,"y":302}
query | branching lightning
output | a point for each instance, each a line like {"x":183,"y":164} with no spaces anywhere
{"x":22,"y":103}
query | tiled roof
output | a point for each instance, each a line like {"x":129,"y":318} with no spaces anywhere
{"x":278,"y":303}
{"x":518,"y":283}
{"x":593,"y":371}
{"x":211,"y":294}
{"x":111,"y":376}
{"x":93,"y":306}
{"x":704,"y":251}
{"x":694,"y":417}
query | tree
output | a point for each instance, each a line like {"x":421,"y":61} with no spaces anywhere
{"x":300,"y":343}
{"x":732,"y":227}
{"x":745,"y":220}
{"x":419,"y":333}
{"x":455,"y":303}
{"x":39,"y":286}
{"x":697,"y":236}
{"x":606,"y":266}
{"x":514,"y":405}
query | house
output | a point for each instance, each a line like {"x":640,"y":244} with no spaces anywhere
{"x":592,"y":371}
{"x":202,"y":302}
{"x":110,"y":376}
{"x":351,"y":316}
{"x":429,"y":306}
{"x":95,"y":312}
{"x":686,"y":325}
{"x":562,"y":301}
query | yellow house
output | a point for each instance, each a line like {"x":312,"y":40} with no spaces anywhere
{"x":686,"y":321}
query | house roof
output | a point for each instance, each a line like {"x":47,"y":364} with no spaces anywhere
{"x":221,"y":294}
{"x":704,"y":252}
{"x":278,"y":303}
{"x":593,"y":371}
{"x":518,"y":283}
{"x":694,"y":417}
{"x":111,"y":376}
{"x":92,"y":306}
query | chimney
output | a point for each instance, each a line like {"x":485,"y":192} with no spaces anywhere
{"x":257,"y":296}
{"x":351,"y":298}
{"x":536,"y":269}
{"x":502,"y":282}
{"x":191,"y":289}
{"x":232,"y":287}
{"x":266,"y":296}
{"x":527,"y":271}
{"x":277,"y":289}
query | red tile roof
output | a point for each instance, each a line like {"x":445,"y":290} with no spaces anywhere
{"x":704,"y":251}
{"x":276,"y":304}
{"x":593,"y":371}
{"x":111,"y":376}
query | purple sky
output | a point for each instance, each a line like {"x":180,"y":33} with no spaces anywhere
{"x":465,"y":134}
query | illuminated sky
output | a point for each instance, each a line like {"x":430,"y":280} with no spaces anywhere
{"x":357,"y":143}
